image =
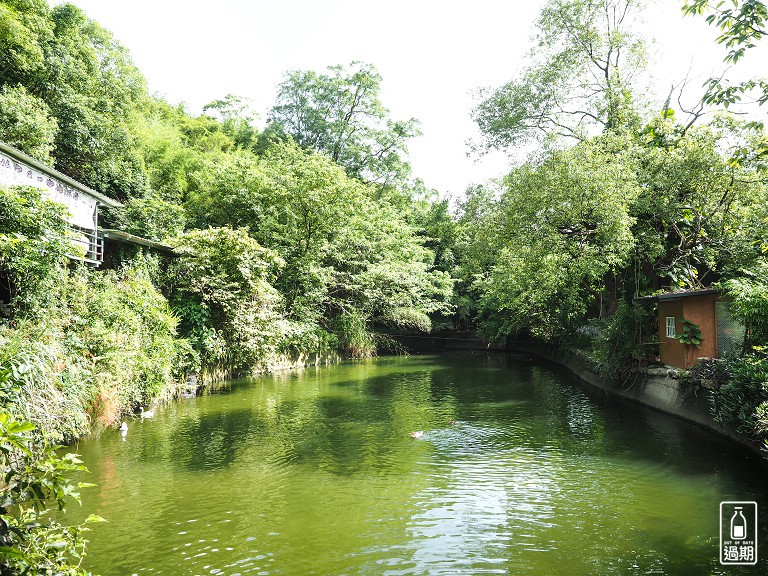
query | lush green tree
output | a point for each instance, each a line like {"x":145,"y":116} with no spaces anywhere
{"x":438,"y":227}
{"x":479,"y":221}
{"x":340,"y":114}
{"x":564,"y":224}
{"x":168,"y":155}
{"x":26,"y":123}
{"x":25,"y":28}
{"x":382,"y":270}
{"x":347,"y":252}
{"x":477,"y":246}
{"x":93,"y":90}
{"x":699,"y":213}
{"x":579,"y":79}
{"x":237,"y":119}
{"x":205,"y":134}
{"x":674,"y":210}
{"x":71,"y":95}
{"x":226,"y":190}
{"x":220,"y":288}
{"x":151,"y":217}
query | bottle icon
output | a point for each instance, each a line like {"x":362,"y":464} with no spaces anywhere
{"x":738,"y":525}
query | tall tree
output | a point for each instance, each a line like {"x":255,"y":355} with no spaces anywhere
{"x":236,"y":117}
{"x":25,"y":27}
{"x":26,"y":123}
{"x":579,"y":79}
{"x":340,"y":114}
{"x":351,"y":258}
{"x":700,"y":215}
{"x":562,"y":224}
{"x":94,"y":91}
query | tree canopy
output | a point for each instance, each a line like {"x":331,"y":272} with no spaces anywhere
{"x":340,"y":114}
{"x":579,"y":78}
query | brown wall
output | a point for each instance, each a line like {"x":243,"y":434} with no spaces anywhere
{"x":699,"y":310}
{"x":671,"y":351}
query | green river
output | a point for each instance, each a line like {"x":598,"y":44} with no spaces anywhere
{"x":316,"y":473}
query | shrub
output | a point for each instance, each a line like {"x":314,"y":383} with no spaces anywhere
{"x":26,"y":123}
{"x":307,"y":337}
{"x":743,"y":390}
{"x":35,"y":386}
{"x":124,"y":328}
{"x":110,"y":344}
{"x":355,"y":339}
{"x":34,"y":484}
{"x":34,"y":241}
{"x":152,"y":217}
{"x":220,"y":287}
{"x":762,"y":421}
{"x":623,"y":344}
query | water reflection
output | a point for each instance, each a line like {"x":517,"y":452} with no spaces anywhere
{"x":315,"y":473}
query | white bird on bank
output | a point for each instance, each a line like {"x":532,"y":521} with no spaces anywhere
{"x":147,"y":413}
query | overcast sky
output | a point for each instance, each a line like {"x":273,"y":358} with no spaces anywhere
{"x":431,"y":54}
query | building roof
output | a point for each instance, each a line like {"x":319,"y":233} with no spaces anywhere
{"x":28,"y":160}
{"x":120,"y":236}
{"x":670,"y":296}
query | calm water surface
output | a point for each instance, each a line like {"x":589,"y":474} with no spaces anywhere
{"x":315,"y":473}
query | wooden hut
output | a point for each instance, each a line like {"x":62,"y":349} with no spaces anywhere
{"x":708,"y":310}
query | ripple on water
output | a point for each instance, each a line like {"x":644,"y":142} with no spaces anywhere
{"x":317,"y":475}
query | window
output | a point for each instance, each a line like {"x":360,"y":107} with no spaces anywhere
{"x":670,"y":326}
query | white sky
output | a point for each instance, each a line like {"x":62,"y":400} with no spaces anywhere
{"x":431,"y":54}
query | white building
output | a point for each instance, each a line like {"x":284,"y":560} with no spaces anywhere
{"x":18,"y":169}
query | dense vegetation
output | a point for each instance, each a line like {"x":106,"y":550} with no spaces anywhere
{"x":305,"y":238}
{"x":312,"y":235}
{"x":35,"y":477}
{"x":617,"y":202}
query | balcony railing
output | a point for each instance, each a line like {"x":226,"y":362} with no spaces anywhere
{"x":92,"y":245}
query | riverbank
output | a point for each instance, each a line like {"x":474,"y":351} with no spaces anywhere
{"x":657,"y":387}
{"x":279,"y":363}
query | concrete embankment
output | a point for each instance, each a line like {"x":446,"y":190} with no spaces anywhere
{"x":426,"y":344}
{"x":656,"y":387}
{"x":299,"y":361}
{"x":280,"y":363}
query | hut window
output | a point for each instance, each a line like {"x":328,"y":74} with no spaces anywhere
{"x":670,"y":326}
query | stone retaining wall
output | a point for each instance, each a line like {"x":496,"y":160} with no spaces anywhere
{"x":418,"y":343}
{"x":298,"y":361}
